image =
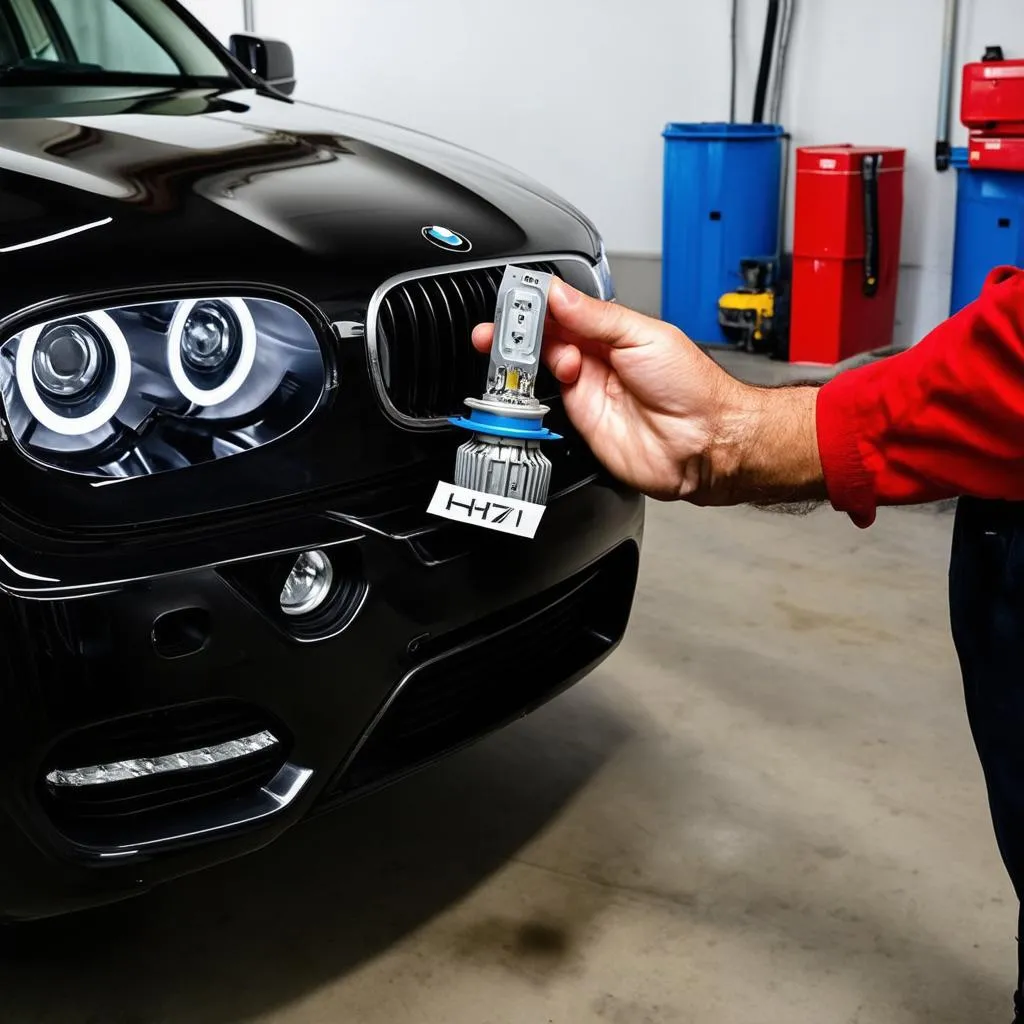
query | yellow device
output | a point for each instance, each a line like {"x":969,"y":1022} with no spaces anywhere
{"x":748,"y":313}
{"x":753,"y":316}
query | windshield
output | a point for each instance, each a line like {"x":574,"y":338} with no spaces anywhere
{"x":102,"y":42}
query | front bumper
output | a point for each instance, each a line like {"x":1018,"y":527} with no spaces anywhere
{"x":452,"y":632}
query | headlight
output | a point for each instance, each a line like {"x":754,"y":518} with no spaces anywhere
{"x":603,"y":272}
{"x":141,"y":389}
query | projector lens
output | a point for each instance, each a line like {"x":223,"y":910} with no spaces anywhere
{"x":68,"y":360}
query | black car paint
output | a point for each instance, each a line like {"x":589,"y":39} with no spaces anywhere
{"x":297,"y":199}
{"x":196,"y":192}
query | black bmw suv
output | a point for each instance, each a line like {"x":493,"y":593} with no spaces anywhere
{"x":233,"y":328}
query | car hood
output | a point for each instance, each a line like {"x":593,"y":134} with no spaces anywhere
{"x":130,"y":192}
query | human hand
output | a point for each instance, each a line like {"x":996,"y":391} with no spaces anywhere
{"x":665,"y":418}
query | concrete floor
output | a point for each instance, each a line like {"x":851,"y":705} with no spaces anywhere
{"x":764,"y":808}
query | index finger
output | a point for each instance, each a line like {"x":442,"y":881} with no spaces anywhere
{"x":483,"y":336}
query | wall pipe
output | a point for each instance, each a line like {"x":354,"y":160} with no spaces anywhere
{"x":249,"y":15}
{"x":942,"y":131}
{"x":732,"y":64}
{"x":785,"y":29}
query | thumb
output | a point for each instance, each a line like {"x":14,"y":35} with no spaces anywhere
{"x":594,"y":319}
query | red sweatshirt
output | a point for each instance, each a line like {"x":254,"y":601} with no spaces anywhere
{"x":944,"y":418}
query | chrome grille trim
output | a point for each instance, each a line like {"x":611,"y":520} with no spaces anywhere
{"x":379,"y":304}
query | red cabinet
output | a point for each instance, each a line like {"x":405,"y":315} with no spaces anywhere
{"x":992,"y":97}
{"x":846,"y":251}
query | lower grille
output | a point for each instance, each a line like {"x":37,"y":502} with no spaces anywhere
{"x":99,"y":812}
{"x":470,"y":682}
{"x":423,"y":362}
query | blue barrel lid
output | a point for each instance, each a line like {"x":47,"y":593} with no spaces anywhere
{"x":721,"y":130}
{"x":958,"y":157}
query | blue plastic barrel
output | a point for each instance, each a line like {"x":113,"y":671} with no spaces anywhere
{"x":721,"y":205}
{"x":989,"y":227}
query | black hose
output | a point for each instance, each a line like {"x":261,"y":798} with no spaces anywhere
{"x":767,"y":48}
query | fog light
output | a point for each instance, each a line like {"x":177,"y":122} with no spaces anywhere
{"x":308,"y":584}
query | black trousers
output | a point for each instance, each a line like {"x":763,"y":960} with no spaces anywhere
{"x":986,"y":596}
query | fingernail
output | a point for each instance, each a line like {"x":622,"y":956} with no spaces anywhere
{"x":566,"y":293}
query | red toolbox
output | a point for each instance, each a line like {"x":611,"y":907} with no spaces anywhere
{"x":996,"y":152}
{"x":992,"y":96}
{"x":846,"y":251}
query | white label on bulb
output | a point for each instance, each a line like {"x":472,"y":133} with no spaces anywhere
{"x":507,"y":515}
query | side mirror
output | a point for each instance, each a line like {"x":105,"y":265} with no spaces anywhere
{"x":268,"y":59}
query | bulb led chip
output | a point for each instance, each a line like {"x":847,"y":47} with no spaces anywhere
{"x":502,"y":477}
{"x":519,"y":335}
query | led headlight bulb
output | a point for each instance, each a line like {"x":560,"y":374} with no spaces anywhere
{"x":503,"y":457}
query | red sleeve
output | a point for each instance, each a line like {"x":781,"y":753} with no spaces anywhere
{"x":942,"y":419}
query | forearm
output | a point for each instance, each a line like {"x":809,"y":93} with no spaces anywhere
{"x":942,"y":419}
{"x":765,"y":448}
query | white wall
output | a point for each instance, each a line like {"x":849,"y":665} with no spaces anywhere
{"x":577,"y":92}
{"x":221,"y":17}
{"x":868,"y":72}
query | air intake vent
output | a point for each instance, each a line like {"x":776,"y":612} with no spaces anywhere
{"x":421,"y":356}
{"x":467,"y":685}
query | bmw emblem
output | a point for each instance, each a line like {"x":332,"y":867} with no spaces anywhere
{"x":445,"y":238}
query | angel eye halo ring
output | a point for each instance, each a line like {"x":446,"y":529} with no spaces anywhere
{"x":93,"y":393}
{"x":120,"y":371}
{"x":239,"y":316}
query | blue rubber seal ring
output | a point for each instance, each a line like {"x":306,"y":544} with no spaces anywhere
{"x":496,"y":425}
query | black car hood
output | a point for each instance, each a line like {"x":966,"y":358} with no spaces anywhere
{"x":140,"y":191}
